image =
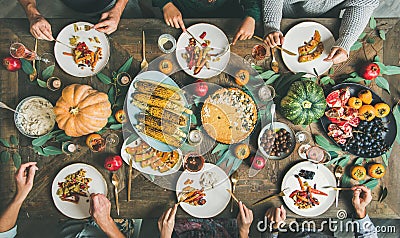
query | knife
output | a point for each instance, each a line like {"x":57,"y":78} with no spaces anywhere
{"x":277,"y":46}
{"x":130,"y":178}
{"x":281,"y":194}
{"x":233,"y":196}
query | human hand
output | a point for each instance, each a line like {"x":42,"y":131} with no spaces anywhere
{"x":24,"y":180}
{"x":109,"y":21}
{"x":274,"y":38}
{"x":41,"y":28}
{"x":100,"y":208}
{"x":361,"y":198}
{"x":172,"y":16}
{"x":276,"y":215}
{"x":246,"y":30}
{"x":244,"y":220}
{"x":166,"y":222}
{"x":337,"y":55}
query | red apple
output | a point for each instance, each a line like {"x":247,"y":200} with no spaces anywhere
{"x":201,"y":88}
{"x":113,"y":162}
{"x":370,"y":71}
{"x":257,"y":162}
{"x":12,"y":64}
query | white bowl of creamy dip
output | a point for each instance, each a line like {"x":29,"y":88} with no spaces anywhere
{"x":36,"y":116}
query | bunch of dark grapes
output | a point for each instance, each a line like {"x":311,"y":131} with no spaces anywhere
{"x":368,"y":139}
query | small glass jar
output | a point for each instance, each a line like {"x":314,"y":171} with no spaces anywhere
{"x":303,"y":137}
{"x":68,"y":147}
{"x":124,"y":79}
{"x":53,"y":83}
{"x":195,"y":137}
{"x":166,"y":43}
{"x":266,"y":93}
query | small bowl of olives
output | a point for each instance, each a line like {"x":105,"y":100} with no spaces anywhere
{"x":276,"y":142}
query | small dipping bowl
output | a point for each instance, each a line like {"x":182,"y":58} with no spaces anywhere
{"x":193,"y":162}
{"x":166,"y":43}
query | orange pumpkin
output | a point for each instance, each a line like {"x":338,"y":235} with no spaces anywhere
{"x":358,"y":172}
{"x":242,"y":77}
{"x":82,"y":110}
{"x":242,"y":151}
{"x":95,"y":142}
{"x":382,"y":109}
{"x":367,"y":112}
{"x":376,"y":170}
{"x":120,"y":116}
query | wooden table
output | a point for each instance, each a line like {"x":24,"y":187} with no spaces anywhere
{"x":149,"y":200}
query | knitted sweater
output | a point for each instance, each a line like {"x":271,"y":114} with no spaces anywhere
{"x":355,"y":17}
{"x":218,"y":8}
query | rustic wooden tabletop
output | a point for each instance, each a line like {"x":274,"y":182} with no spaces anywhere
{"x":147,"y":199}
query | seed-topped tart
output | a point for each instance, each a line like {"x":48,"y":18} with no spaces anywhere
{"x":229,"y":115}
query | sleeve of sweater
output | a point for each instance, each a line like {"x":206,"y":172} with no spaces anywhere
{"x":252,"y":9}
{"x":160,"y":3}
{"x":355,"y":18}
{"x":272,"y":10}
{"x":366,"y":228}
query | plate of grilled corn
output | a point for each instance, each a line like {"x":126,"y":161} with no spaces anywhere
{"x":158,"y":111}
{"x":149,"y":160}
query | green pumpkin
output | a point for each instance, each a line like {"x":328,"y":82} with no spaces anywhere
{"x":304,"y":103}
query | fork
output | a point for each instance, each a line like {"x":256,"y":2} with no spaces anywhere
{"x":144,"y":63}
{"x":115,"y":182}
{"x":234,"y":180}
{"x":338,"y":175}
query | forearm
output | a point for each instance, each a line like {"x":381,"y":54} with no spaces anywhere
{"x":110,"y":228}
{"x":10,"y":215}
{"x":354,"y":21}
{"x":120,"y":6}
{"x":272,"y":15}
{"x":160,"y":3}
{"x":252,"y":9}
{"x":29,"y":7}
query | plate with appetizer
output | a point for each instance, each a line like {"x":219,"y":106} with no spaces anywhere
{"x":312,"y":42}
{"x":203,"y":194}
{"x":148,"y":160}
{"x":206,"y":57}
{"x":305,"y":189}
{"x":358,"y":120}
{"x":158,"y":111}
{"x":80,"y":50}
{"x":72,"y":187}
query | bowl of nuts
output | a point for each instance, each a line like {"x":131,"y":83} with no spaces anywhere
{"x":276,"y":141}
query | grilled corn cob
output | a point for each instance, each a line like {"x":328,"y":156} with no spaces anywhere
{"x":162,"y":125}
{"x":158,"y":112}
{"x":159,"y":102}
{"x":159,"y":135}
{"x":158,"y":89}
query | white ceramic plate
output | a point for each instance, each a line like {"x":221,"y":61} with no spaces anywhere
{"x":133,"y":111}
{"x":67,"y":62}
{"x":296,"y":37}
{"x":80,"y":210}
{"x":218,"y":42}
{"x":323,"y":177}
{"x":276,"y":127}
{"x":148,"y":170}
{"x":217,"y":198}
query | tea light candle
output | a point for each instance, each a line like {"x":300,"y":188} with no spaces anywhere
{"x":53,"y":83}
{"x":195,"y":137}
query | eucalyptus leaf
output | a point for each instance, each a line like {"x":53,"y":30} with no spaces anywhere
{"x":382,"y":83}
{"x":111,"y":95}
{"x":324,"y":143}
{"x":383,"y":195}
{"x":266,"y":75}
{"x":223,"y":158}
{"x":346,"y":180}
{"x":152,"y":177}
{"x":362,"y":35}
{"x":5,"y":143}
{"x":396,"y":114}
{"x":48,"y":72}
{"x":63,"y":137}
{"x":356,"y":46}
{"x":334,"y":161}
{"x":372,"y":23}
{"x":5,"y":156}
{"x":370,"y":40}
{"x":344,"y":161}
{"x":356,"y":79}
{"x":382,"y":34}
{"x":258,"y":68}
{"x":377,"y":59}
{"x":367,"y":82}
{"x":115,"y":126}
{"x":353,"y":74}
{"x":120,"y":101}
{"x":219,"y":147}
{"x":235,"y":166}
{"x":104,"y":78}
{"x":332,"y":82}
{"x":385,"y":159}
{"x":193,"y":119}
{"x":41,"y":83}
{"x":111,"y":120}
{"x":39,"y":150}
{"x":52,"y":150}
{"x":272,"y":79}
{"x":391,"y":70}
{"x":14,"y":140}
{"x":26,"y":66}
{"x":325,"y":80}
{"x":17,"y":159}
{"x":331,"y":71}
{"x":359,"y":161}
{"x":42,"y":140}
{"x":372,"y":183}
{"x":125,"y":67}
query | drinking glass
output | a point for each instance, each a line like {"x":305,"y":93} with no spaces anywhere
{"x":112,"y":139}
{"x":258,"y":53}
{"x":18,"y":50}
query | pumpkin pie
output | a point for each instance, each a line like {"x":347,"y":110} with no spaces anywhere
{"x":229,"y":115}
